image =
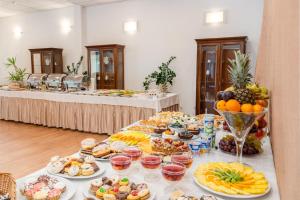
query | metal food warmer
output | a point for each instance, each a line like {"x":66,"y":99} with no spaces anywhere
{"x":55,"y":82}
{"x":35,"y":81}
{"x":74,"y":83}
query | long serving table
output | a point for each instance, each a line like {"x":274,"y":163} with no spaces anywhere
{"x":96,"y":114}
{"x":262,"y":162}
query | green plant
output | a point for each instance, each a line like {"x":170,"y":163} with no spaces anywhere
{"x":163,"y":76}
{"x":73,"y":69}
{"x":18,"y":74}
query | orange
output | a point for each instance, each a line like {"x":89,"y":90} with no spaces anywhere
{"x":247,"y":108}
{"x":258,"y":108}
{"x":221,"y":105}
{"x":233,"y":105}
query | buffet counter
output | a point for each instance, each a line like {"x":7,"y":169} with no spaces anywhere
{"x":83,"y":112}
{"x":263,"y":162}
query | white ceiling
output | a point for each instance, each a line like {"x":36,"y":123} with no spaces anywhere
{"x":14,"y":7}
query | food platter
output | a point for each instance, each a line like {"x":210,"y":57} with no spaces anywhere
{"x":101,"y":170}
{"x":67,"y":195}
{"x":231,"y":195}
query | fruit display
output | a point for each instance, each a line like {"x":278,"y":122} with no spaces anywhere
{"x":131,"y":137}
{"x":116,"y":188}
{"x":243,"y":95}
{"x":168,"y":146}
{"x":72,"y":166}
{"x":252,"y":145}
{"x":231,"y":178}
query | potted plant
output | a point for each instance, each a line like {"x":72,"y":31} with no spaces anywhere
{"x":17,"y":75}
{"x":73,"y":70}
{"x":163,"y":78}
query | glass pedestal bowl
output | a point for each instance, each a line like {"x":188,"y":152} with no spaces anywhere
{"x":240,"y":123}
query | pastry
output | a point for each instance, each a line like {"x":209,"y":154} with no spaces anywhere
{"x":100,"y":192}
{"x":118,"y":146}
{"x":89,"y":159}
{"x":60,"y":186}
{"x":101,"y":150}
{"x":73,"y":170}
{"x":122,"y":195}
{"x":54,"y":194}
{"x":87,"y":169}
{"x":125,"y":189}
{"x":208,"y":197}
{"x":144,"y":194}
{"x":124,"y":182}
{"x":95,"y":185}
{"x":55,"y":167}
{"x":40,"y":195}
{"x":109,"y":197}
{"x":133,"y":195}
{"x":88,"y":143}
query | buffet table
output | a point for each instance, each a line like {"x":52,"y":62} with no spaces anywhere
{"x":89,"y":113}
{"x":262,"y":162}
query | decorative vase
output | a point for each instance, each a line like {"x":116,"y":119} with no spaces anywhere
{"x":163,"y":88}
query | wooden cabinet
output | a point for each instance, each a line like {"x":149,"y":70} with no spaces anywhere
{"x":106,"y":66}
{"x":46,"y":60}
{"x":212,"y":68}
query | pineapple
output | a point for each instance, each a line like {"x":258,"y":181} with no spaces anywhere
{"x":240,"y":77}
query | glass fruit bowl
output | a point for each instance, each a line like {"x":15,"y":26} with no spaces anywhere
{"x":240,"y":123}
{"x":151,"y":162}
{"x":120,"y":162}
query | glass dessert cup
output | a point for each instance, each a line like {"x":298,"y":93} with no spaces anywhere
{"x":185,"y":158}
{"x":135,"y":154}
{"x":240,"y":124}
{"x":151,"y":162}
{"x":173,"y":174}
{"x":120,"y":163}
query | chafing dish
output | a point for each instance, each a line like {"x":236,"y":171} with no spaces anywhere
{"x":74,"y":83}
{"x":55,"y":81}
{"x":35,"y":81}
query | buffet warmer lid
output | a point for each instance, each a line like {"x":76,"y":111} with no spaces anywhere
{"x":74,"y":79}
{"x":32,"y":78}
{"x":55,"y":77}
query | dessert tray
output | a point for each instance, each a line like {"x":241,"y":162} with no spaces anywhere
{"x":103,"y":150}
{"x":117,"y":188}
{"x":36,"y":187}
{"x":73,"y":167}
{"x":232,"y":180}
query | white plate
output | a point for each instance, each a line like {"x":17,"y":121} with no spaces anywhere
{"x":68,"y":194}
{"x":87,"y":194}
{"x":98,"y":173}
{"x":232,"y":195}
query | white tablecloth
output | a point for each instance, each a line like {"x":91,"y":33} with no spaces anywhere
{"x":144,"y":102}
{"x":262,"y":162}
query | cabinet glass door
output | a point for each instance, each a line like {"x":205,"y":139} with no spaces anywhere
{"x":227,"y":53}
{"x":37,"y":67}
{"x":47,"y":62}
{"x":108,"y":69}
{"x":95,"y":68}
{"x":208,"y":85}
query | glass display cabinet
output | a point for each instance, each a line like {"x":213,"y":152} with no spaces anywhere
{"x":212,"y":68}
{"x":46,"y":60}
{"x":106,"y":66}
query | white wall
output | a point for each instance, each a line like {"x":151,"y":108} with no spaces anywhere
{"x":168,"y":28}
{"x":40,"y":30}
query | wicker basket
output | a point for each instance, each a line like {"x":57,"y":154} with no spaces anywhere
{"x":8,"y":185}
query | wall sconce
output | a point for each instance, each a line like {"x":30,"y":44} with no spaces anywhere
{"x":130,"y":27}
{"x":214,"y":17}
{"x":18,"y":32}
{"x":66,"y":26}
